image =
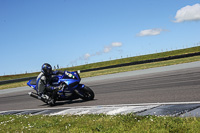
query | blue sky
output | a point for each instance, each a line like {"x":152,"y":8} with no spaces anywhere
{"x":75,"y":32}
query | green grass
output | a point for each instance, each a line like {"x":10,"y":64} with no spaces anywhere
{"x":113,"y":62}
{"x":140,"y":66}
{"x":97,"y":123}
{"x":137,"y":58}
{"x":17,"y":76}
{"x":13,"y":85}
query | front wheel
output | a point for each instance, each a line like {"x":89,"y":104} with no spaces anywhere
{"x":87,"y":93}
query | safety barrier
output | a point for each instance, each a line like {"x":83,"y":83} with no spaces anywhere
{"x":16,"y":80}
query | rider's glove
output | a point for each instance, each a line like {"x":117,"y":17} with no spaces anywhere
{"x":58,"y":87}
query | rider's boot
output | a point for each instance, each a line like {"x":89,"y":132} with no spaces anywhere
{"x":43,"y":97}
{"x":51,"y":102}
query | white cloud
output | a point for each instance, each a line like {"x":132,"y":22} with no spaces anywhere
{"x":111,"y":46}
{"x":150,"y":32}
{"x":107,"y":49}
{"x":116,"y":44}
{"x":86,"y":56}
{"x":188,"y":13}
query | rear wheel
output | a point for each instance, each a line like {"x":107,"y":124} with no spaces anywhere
{"x":87,"y":93}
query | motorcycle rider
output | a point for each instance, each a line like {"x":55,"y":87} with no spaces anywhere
{"x":43,"y":84}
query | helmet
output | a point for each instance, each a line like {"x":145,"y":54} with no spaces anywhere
{"x":46,"y":69}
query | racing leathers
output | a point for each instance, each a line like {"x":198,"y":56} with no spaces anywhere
{"x":43,"y":82}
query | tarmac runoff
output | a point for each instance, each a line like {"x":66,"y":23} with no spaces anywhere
{"x":180,"y":109}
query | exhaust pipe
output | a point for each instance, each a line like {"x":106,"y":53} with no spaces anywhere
{"x":34,"y":95}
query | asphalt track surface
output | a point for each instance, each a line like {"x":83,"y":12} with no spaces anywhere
{"x":172,"y":85}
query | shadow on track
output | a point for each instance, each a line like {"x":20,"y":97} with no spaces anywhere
{"x":60,"y":103}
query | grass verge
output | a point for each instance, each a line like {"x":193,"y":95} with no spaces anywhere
{"x":117,"y":70}
{"x":113,"y":62}
{"x":13,"y":85}
{"x":97,"y":123}
{"x":139,"y":67}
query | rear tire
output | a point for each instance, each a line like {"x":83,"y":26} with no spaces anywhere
{"x":87,"y":93}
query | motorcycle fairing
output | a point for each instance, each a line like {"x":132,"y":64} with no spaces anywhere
{"x":32,"y":84}
{"x":72,"y":83}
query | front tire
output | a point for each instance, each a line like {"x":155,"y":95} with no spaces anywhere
{"x":87,"y":93}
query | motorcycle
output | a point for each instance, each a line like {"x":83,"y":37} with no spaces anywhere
{"x":71,"y":88}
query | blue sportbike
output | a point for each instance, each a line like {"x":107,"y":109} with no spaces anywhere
{"x":71,"y":88}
